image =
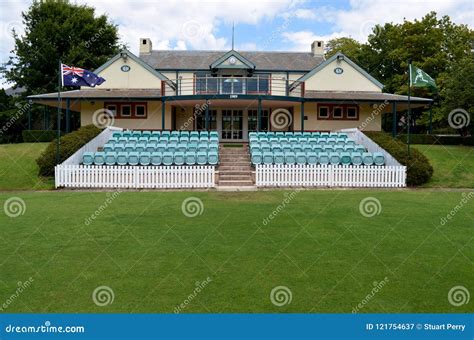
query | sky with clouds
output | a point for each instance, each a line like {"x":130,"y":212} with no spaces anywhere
{"x":259,"y":25}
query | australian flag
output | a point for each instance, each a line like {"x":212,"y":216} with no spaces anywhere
{"x":75,"y":76}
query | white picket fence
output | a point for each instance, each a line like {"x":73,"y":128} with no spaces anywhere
{"x":134,"y":177}
{"x":285,"y":175}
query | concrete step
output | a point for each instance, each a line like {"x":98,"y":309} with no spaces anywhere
{"x":224,"y":177}
{"x":235,"y":183}
{"x":227,"y":168}
{"x":245,"y":172}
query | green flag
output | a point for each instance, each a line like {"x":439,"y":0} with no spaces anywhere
{"x":420,"y":78}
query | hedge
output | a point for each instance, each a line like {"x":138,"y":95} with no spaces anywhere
{"x":38,"y":136}
{"x":69,"y":144}
{"x":419,"y":169}
{"x":434,"y":139}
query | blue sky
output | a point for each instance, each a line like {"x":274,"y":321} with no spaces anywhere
{"x":259,"y":25}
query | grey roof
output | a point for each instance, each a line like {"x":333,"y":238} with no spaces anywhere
{"x":200,"y":60}
{"x":101,"y":94}
{"x":361,"y":96}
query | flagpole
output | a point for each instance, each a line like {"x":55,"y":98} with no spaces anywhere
{"x":409,"y":108}
{"x":58,"y":135}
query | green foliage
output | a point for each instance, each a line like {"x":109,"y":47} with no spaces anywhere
{"x":419,"y":169}
{"x":38,"y":136}
{"x":348,"y":46}
{"x":69,"y":144}
{"x":433,"y":139}
{"x":58,"y":30}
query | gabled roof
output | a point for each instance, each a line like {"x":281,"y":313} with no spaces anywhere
{"x":134,"y":58}
{"x":346,"y":59}
{"x":200,"y":60}
{"x":232,"y":53}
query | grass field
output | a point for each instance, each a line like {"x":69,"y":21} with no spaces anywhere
{"x":318,"y":245}
{"x":18,"y":169}
{"x":453,"y":165}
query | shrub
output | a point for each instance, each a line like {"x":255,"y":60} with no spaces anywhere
{"x":69,"y":144}
{"x":38,"y":136}
{"x":419,"y":169}
{"x":434,"y":139}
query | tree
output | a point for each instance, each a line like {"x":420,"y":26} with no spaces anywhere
{"x":348,"y":46}
{"x":58,"y":30}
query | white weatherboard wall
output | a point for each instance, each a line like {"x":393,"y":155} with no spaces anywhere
{"x":71,"y":174}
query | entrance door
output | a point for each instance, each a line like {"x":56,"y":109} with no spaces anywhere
{"x":232,"y":84}
{"x":232,"y":124}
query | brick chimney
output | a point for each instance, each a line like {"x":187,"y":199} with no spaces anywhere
{"x":317,"y":48}
{"x":145,"y":46}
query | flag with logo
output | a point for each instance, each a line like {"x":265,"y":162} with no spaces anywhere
{"x":419,"y":78}
{"x":75,"y":76}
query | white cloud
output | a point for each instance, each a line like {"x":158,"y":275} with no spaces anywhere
{"x":302,"y":40}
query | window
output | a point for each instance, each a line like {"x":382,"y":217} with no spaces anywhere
{"x":337,"y":112}
{"x":112,"y":109}
{"x":140,"y":110}
{"x":126,"y":110}
{"x":351,"y":113}
{"x":323,"y":112}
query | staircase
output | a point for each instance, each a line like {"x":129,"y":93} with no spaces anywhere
{"x":234,"y":167}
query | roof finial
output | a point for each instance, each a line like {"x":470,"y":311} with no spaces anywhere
{"x":232,"y":35}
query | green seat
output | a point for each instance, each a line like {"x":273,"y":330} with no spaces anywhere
{"x":146,"y":134}
{"x":123,"y":140}
{"x":379,"y":158}
{"x":345,"y":158}
{"x":349,"y":148}
{"x":331,"y":141}
{"x":194,"y":139}
{"x":286,"y":147}
{"x":173,"y":139}
{"x":145,"y":158}
{"x":184,"y":133}
{"x":290,"y":158}
{"x":312,"y":157}
{"x":297,"y":134}
{"x":317,"y":149}
{"x":277,"y":148}
{"x":297,"y":148}
{"x":338,"y":148}
{"x":256,"y":158}
{"x":201,"y":157}
{"x":213,"y":147}
{"x":300,"y":158}
{"x":153,"y":139}
{"x":171,"y":147}
{"x":182,"y":147}
{"x":133,"y":158}
{"x":161,"y":147}
{"x":122,"y":158}
{"x":190,"y":158}
{"x":165,"y":134}
{"x":129,"y":147}
{"x":202,"y":147}
{"x":198,"y":133}
{"x":192,"y":147}
{"x":184,"y":139}
{"x":359,"y":148}
{"x":127,"y":134}
{"x":307,"y":134}
{"x":88,"y":158}
{"x":108,"y":147}
{"x":140,"y":147}
{"x":110,"y":158}
{"x":324,"y":135}
{"x":340,"y":141}
{"x":343,"y":135}
{"x":367,"y":158}
{"x":334,"y":158}
{"x":117,"y":134}
{"x":136,"y":134}
{"x":213,"y":139}
{"x":267,"y":157}
{"x":315,"y":134}
{"x":167,"y":158}
{"x":99,"y":158}
{"x":143,"y":140}
{"x":279,"y":157}
{"x":150,"y":147}
{"x":179,"y":158}
{"x":213,"y":158}
{"x":323,"y":158}
{"x":156,"y":158}
{"x":214,"y":134}
{"x":328,"y":148}
{"x":155,"y":134}
{"x":175,"y":134}
{"x":133,"y":140}
{"x":350,"y":142}
{"x":312,"y":140}
{"x":356,"y":158}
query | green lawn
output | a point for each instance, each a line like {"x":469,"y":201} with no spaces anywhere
{"x":319,"y":245}
{"x":18,"y":169}
{"x":453,"y":165}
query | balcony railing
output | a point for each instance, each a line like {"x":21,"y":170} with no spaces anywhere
{"x":256,"y":85}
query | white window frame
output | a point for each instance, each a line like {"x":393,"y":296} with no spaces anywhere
{"x":144,"y":110}
{"x":356,"y":116}
{"x":114,"y":111}
{"x":319,"y":112}
{"x":334,"y":109}
{"x":121,"y":110}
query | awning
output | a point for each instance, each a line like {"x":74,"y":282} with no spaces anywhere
{"x":360,"y":96}
{"x":125,"y":94}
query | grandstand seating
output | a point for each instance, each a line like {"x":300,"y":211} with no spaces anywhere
{"x":157,"y":148}
{"x":334,"y":148}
